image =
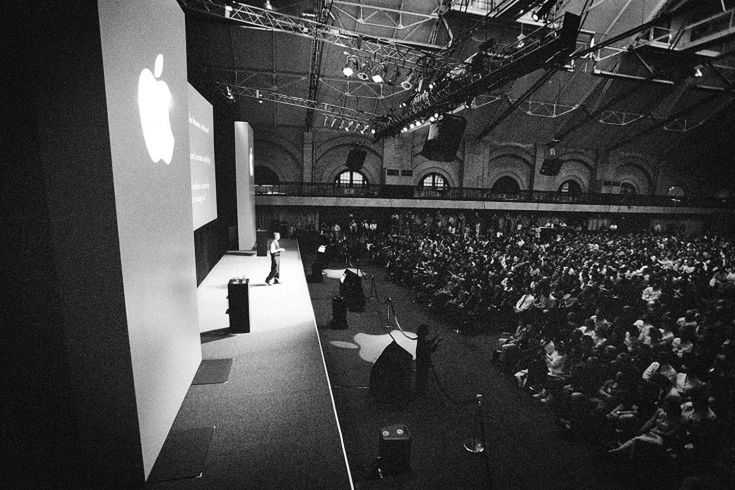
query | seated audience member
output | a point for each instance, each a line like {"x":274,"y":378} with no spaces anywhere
{"x":655,"y":434}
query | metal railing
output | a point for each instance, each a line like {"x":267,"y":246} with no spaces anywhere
{"x":317,"y":189}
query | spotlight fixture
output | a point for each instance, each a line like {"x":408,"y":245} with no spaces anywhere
{"x":267,"y":5}
{"x":698,"y":71}
{"x":543,"y":10}
{"x":350,"y":66}
{"x":407,"y":84}
{"x":364,"y":70}
{"x":378,"y":73}
{"x":372,"y":131}
{"x":229,"y":94}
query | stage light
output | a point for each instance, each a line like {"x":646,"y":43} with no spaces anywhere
{"x":698,"y":71}
{"x":228,"y":11}
{"x":267,"y":5}
{"x":364,"y":70}
{"x":372,"y":131}
{"x":350,"y":66}
{"x":407,"y":84}
{"x":543,"y":10}
{"x":349,"y":126}
{"x":378,"y":73}
{"x":229,"y":94}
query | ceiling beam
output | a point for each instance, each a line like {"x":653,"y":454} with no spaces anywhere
{"x":663,"y":122}
{"x":513,"y":106}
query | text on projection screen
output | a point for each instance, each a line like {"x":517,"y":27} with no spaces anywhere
{"x":201,"y":156}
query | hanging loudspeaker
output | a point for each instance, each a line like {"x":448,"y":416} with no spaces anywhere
{"x":356,"y":158}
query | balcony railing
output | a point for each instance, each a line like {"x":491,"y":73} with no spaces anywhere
{"x":316,"y":189}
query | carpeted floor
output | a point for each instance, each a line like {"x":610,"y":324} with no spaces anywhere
{"x":525,"y":449}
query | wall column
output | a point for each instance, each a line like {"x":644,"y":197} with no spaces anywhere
{"x":308,"y":157}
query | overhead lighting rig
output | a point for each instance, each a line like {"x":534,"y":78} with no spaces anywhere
{"x":545,"y":47}
{"x":261,"y":95}
{"x":401,"y":53}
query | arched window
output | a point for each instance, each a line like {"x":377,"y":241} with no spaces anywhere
{"x":265,"y":176}
{"x":506,"y":185}
{"x":434,"y":181}
{"x":627,"y":188}
{"x":570,"y":187}
{"x":351,"y":179}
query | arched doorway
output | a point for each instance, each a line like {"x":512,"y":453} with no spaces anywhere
{"x":570,"y":187}
{"x":627,"y":188}
{"x":506,"y":185}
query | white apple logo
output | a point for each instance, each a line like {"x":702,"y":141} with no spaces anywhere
{"x":154,"y":104}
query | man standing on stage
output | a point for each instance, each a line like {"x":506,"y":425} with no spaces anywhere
{"x":275,"y":250}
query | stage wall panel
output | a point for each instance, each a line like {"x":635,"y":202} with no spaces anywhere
{"x":144,"y":59}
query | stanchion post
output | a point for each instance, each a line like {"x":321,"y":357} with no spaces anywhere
{"x":476,"y":442}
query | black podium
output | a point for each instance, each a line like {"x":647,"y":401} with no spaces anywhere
{"x":239,"y":307}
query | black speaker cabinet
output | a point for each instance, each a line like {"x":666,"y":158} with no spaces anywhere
{"x":444,"y":138}
{"x":261,"y":242}
{"x":356,"y":158}
{"x":394,"y":449}
{"x":316,"y":271}
{"x":550,"y":166}
{"x":353,"y":293}
{"x":392,"y":374}
{"x":238,"y":296}
{"x":339,"y":313}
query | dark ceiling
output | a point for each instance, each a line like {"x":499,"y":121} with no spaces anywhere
{"x":635,"y":93}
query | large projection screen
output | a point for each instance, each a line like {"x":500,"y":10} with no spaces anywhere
{"x":144,"y":60}
{"x":201,"y":159}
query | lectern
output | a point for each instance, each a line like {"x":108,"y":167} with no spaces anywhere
{"x":239,"y":307}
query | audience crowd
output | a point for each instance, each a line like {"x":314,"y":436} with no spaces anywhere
{"x":629,"y":337}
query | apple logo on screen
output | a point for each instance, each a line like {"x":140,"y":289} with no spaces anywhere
{"x":154,"y":104}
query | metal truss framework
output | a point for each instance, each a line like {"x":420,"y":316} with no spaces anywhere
{"x":354,"y":87}
{"x":413,"y":55}
{"x":405,"y":54}
{"x":671,"y":39}
{"x":272,"y":96}
{"x":379,"y":16}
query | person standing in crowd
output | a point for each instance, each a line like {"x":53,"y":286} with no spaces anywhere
{"x":425,"y":346}
{"x":275,"y":250}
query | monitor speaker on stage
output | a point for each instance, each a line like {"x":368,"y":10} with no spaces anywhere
{"x":238,"y":295}
{"x":339,"y":314}
{"x":444,"y":138}
{"x":356,"y":158}
{"x":351,"y":290}
{"x":390,"y":376}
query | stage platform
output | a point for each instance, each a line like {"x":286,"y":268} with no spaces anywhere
{"x":276,"y":423}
